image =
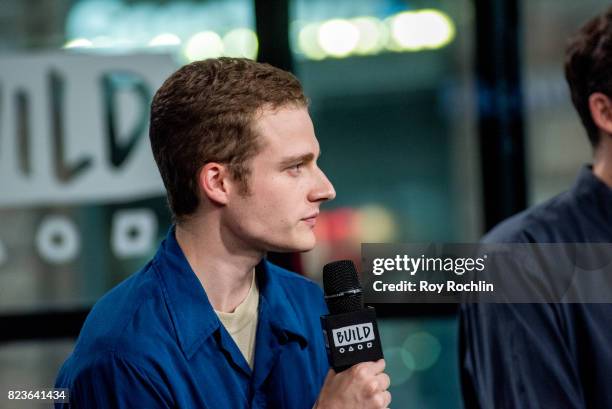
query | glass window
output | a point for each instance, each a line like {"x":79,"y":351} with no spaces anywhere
{"x":83,"y":205}
{"x":391,"y":89}
{"x":556,"y":141}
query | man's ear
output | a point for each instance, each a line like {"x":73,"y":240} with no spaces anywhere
{"x":213,"y":182}
{"x":600,"y":106}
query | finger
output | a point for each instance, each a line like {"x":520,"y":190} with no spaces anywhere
{"x":375,"y":386}
{"x":371,"y":388}
{"x":364,"y":370}
{"x":383,"y":381}
{"x":379,"y":366}
{"x":381,"y":400}
{"x":387,"y":398}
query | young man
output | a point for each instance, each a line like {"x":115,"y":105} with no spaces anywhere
{"x":209,"y":323}
{"x":554,"y":355}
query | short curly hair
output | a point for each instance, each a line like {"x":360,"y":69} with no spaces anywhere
{"x":588,"y":62}
{"x":204,"y":113}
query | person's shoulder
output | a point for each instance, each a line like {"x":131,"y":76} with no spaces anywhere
{"x":128,"y":318}
{"x":97,"y":364}
{"x":126,"y":380}
{"x":538,"y":224}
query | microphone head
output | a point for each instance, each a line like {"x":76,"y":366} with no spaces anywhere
{"x":341,"y":277}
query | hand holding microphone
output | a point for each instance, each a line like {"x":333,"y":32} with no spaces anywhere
{"x":351,"y":336}
{"x":363,"y":386}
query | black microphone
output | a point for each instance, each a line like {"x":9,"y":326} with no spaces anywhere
{"x":350,"y":330}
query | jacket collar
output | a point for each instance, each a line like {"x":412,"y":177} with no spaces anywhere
{"x":587,"y":184}
{"x":192,"y":314}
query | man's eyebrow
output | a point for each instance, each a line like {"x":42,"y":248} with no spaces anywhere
{"x":307,"y":157}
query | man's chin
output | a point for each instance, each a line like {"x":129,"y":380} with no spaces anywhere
{"x":306,"y":244}
{"x":304,"y":248}
{"x":297,"y":246}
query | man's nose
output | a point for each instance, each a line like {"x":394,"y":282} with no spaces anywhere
{"x":323,"y":190}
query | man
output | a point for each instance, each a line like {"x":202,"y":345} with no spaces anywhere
{"x":209,"y":323}
{"x":554,"y":355}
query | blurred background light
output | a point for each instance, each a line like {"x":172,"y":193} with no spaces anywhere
{"x":377,"y":224}
{"x":164,"y":40}
{"x":421,"y":350}
{"x":338,"y":38}
{"x":406,"y":30}
{"x":206,"y":44}
{"x":438,"y":28}
{"x":417,"y":30}
{"x":240,"y":42}
{"x":372,"y":35}
{"x":78,"y":43}
{"x":309,"y":43}
{"x":147,"y":25}
{"x":104,"y":42}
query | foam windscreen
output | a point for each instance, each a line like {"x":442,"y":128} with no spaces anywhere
{"x":341,"y":277}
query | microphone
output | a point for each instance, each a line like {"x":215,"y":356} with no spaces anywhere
{"x":350,"y":330}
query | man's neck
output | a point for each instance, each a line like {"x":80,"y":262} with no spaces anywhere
{"x":224,"y":266}
{"x":602,"y":165}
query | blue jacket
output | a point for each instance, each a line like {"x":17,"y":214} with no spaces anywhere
{"x":154,"y":341}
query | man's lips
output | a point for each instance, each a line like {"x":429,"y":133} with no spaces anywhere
{"x":311,"y":220}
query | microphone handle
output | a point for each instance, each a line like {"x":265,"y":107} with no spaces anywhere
{"x":351,"y":338}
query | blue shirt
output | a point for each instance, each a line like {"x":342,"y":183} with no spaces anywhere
{"x":543,"y":355}
{"x":154,"y":341}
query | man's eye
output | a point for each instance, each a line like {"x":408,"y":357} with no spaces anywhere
{"x":296,"y":168}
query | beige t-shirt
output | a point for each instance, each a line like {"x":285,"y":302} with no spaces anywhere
{"x":242,"y":323}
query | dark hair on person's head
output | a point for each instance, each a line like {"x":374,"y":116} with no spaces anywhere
{"x":204,"y":113}
{"x":588,"y":67}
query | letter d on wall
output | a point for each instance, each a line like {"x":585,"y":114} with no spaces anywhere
{"x":115,"y":84}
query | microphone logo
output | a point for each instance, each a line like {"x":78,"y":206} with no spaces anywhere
{"x":353,"y":334}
